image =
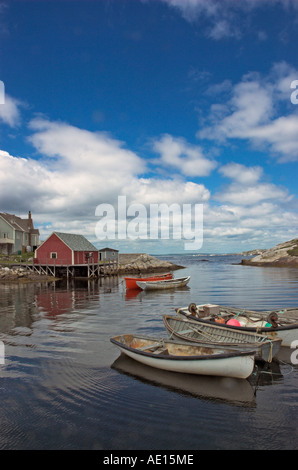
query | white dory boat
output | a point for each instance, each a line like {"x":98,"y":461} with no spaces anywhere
{"x":281,"y":324}
{"x":185,"y":329}
{"x":164,"y":284}
{"x":186,"y":358}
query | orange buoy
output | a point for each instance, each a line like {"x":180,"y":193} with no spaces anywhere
{"x":219,"y":320}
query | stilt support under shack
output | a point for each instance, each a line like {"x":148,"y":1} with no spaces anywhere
{"x":79,"y":270}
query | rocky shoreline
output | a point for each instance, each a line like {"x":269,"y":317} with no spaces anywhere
{"x":19,"y":274}
{"x":135,"y":263}
{"x":282,"y":255}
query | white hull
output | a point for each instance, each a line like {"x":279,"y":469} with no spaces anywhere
{"x":162,"y":285}
{"x":230,"y":367}
{"x":224,"y":364}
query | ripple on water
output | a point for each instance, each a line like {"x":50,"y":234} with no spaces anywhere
{"x":64,"y":385}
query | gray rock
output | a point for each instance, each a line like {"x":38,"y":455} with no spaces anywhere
{"x":283,"y":254}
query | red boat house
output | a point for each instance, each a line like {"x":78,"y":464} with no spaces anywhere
{"x":66,"y":249}
{"x":72,"y":253}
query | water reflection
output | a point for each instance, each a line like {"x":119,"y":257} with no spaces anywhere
{"x":233,"y":391}
{"x":17,"y":306}
{"x":158,"y":294}
{"x":64,"y":386}
{"x":19,"y":303}
{"x":64,"y":297}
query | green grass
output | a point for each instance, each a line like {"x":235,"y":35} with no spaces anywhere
{"x":293,"y":251}
{"x":7,"y":260}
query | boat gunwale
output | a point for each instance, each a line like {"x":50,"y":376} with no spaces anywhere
{"x":161,"y":282}
{"x":161,"y":276}
{"x":174,"y":279}
{"x":253,"y":329}
{"x":227,"y":355}
{"x":240,"y":329}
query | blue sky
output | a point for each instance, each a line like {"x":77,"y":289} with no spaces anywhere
{"x":161,"y":101}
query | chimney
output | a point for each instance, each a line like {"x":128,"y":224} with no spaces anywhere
{"x":30,"y":226}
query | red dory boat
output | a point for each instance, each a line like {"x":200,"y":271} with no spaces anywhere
{"x":131,"y":282}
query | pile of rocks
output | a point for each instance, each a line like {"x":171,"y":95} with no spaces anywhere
{"x":17,"y":273}
{"x":12,"y":273}
{"x":140,"y":263}
{"x":283,"y":254}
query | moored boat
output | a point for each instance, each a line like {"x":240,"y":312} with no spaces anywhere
{"x":164,"y":284}
{"x":186,"y":358}
{"x":131,"y":282}
{"x":281,"y":324}
{"x":187,"y":330}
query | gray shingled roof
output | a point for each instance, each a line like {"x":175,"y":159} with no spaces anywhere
{"x":17,"y":223}
{"x":14,"y":221}
{"x":76,"y":242}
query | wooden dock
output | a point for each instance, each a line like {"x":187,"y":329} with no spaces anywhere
{"x":86,"y":270}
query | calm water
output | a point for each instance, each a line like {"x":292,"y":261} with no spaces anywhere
{"x":64,"y":385}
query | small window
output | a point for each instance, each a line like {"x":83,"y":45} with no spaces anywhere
{"x":54,"y":255}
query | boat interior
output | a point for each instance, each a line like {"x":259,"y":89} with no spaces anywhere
{"x":166,"y":347}
{"x":247,"y":318}
{"x":211,"y":333}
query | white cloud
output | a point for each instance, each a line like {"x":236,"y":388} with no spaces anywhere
{"x":24,"y":183}
{"x":84,"y":151}
{"x":241,"y":173}
{"x":75,"y":172}
{"x":191,"y":9}
{"x":223,"y":15}
{"x":246,"y":189}
{"x":248,"y":210}
{"x":9,"y":111}
{"x":250,"y":106}
{"x":216,"y":13}
{"x":236,"y":193}
{"x":155,"y":191}
{"x":282,"y":136}
{"x":259,"y":110}
{"x":178,"y":154}
{"x":259,"y":225}
{"x":223,"y":28}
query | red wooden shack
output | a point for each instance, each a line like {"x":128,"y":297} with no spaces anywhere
{"x":66,"y":249}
